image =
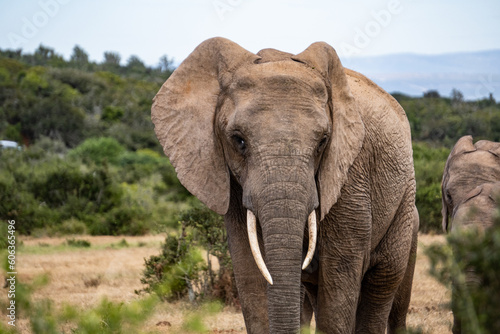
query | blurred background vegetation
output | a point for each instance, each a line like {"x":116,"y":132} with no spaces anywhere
{"x":91,"y":162}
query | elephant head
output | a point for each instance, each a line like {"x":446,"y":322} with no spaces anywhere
{"x":477,"y":210}
{"x":284,"y":128}
{"x":478,"y":207}
{"x":468,"y":166}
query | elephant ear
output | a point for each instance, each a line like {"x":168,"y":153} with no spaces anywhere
{"x":490,"y":146}
{"x":183,"y":113}
{"x":463,"y":145}
{"x":348,"y":130}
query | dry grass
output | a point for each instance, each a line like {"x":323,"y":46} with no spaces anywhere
{"x":82,"y":276}
{"x":430,"y":300}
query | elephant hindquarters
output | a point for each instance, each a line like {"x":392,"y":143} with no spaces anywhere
{"x":386,"y":286}
{"x":397,"y":317}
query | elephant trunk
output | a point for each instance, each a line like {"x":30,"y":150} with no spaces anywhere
{"x":283,"y":249}
{"x":254,"y":243}
{"x":283,"y":222}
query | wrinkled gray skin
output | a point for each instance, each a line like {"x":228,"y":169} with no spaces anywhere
{"x":283,"y":135}
{"x":468,"y":166}
{"x":469,"y":191}
{"x":478,"y":208}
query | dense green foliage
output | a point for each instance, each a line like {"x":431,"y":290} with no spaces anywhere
{"x":44,"y":95}
{"x":444,"y":120}
{"x":475,"y":303}
{"x":429,"y":165}
{"x":91,"y":162}
{"x":180,"y":271}
{"x":81,"y":192}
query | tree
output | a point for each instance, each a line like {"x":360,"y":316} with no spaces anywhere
{"x":432,"y":93}
{"x":111,"y":61}
{"x":166,"y":64}
{"x":80,"y":58}
{"x":456,"y":96}
{"x":136,"y":66}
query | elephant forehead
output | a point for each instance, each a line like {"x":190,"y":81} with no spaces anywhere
{"x":271,"y":94}
{"x":480,"y":165}
{"x":280,"y":79}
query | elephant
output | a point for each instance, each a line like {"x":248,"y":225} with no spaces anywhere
{"x":477,"y":210}
{"x":470,"y":186}
{"x":311,"y":165}
{"x":468,"y":166}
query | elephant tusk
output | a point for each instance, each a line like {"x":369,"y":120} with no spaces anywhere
{"x":254,"y":246}
{"x":313,"y":233}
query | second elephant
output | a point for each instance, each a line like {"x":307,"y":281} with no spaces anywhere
{"x":470,"y":189}
{"x":468,"y":166}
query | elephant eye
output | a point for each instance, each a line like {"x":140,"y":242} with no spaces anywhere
{"x":322,"y":143}
{"x":240,"y":144}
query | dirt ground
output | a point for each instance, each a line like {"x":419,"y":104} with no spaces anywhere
{"x":83,"y":276}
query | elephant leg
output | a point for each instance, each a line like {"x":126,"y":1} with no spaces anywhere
{"x":388,"y":271}
{"x":397,"y":317}
{"x":343,"y":255}
{"x":249,"y":281}
{"x":307,"y":310}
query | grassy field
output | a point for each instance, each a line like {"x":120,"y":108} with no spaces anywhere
{"x":111,"y":267}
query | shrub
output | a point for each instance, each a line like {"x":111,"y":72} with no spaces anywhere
{"x":429,"y":165}
{"x":174,"y":273}
{"x":478,"y":251}
{"x":60,"y":196}
{"x":72,"y":226}
{"x":112,"y":114}
{"x":98,"y":151}
{"x":167,"y":274}
{"x":78,"y":243}
{"x":174,"y":190}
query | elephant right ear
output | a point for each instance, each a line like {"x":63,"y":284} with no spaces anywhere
{"x":348,"y":130}
{"x":463,"y":145}
{"x":183,"y":113}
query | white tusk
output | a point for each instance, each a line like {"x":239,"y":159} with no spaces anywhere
{"x":254,"y":246}
{"x":313,"y":232}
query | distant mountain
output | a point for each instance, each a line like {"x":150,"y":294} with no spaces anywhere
{"x":475,"y":74}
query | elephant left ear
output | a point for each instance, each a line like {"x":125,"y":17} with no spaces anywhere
{"x":348,"y":130}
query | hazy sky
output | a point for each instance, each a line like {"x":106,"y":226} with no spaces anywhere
{"x":152,"y":28}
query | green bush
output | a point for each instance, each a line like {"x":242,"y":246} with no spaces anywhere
{"x":80,"y":243}
{"x":112,"y":114}
{"x":174,"y":190}
{"x":59,"y":195}
{"x":122,"y":219}
{"x":477,"y":303}
{"x":72,"y":226}
{"x":175,"y":272}
{"x":172,"y":274}
{"x":429,"y":165}
{"x":98,"y":151}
